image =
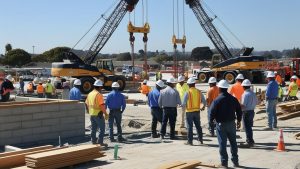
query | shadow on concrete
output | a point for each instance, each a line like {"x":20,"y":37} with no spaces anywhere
{"x":272,"y":146}
{"x":246,"y":167}
{"x":91,"y":164}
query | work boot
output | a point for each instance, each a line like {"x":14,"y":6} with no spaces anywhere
{"x":104,"y":145}
{"x":246,"y":145}
{"x":162,"y":137}
{"x":268,"y":129}
{"x":155,"y":135}
{"x":121,"y":139}
{"x":236,"y":164}
{"x":112,"y":140}
{"x":223,"y":166}
{"x":188,"y":143}
{"x":173,"y":138}
{"x":200,"y":141}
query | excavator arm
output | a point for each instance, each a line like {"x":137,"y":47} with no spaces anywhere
{"x":211,"y":31}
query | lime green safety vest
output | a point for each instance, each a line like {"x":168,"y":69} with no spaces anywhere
{"x":294,"y":89}
{"x":49,"y":88}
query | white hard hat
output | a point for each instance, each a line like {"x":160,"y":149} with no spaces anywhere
{"x":77,"y":82}
{"x":223,"y":84}
{"x":191,"y":81}
{"x":212,"y":80}
{"x":246,"y":82}
{"x":145,"y":81}
{"x":294,"y":77}
{"x":160,"y":83}
{"x":240,"y":76}
{"x":275,"y":72}
{"x":36,"y":80}
{"x":181,"y":78}
{"x":9,"y":77}
{"x":171,"y":80}
{"x":115,"y":85}
{"x":98,"y":83}
{"x":271,"y":74}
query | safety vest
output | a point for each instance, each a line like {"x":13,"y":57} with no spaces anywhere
{"x":30,"y":87}
{"x":278,"y":79}
{"x":194,"y":100}
{"x":237,"y":90}
{"x":293,"y":88}
{"x":40,"y":89}
{"x":92,"y":103}
{"x":182,"y":90}
{"x":49,"y":88}
{"x":280,"y":91}
{"x":145,"y":89}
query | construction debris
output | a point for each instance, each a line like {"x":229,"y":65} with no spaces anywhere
{"x":185,"y":165}
{"x":297,"y":136}
{"x":289,"y":110}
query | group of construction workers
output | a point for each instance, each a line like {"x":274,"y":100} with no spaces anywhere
{"x":42,"y":90}
{"x":6,"y":86}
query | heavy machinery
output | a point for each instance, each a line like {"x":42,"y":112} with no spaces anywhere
{"x":83,"y":69}
{"x":225,"y":65}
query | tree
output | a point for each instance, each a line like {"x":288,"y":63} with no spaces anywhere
{"x":8,"y":48}
{"x":17,"y":57}
{"x":124,"y":56}
{"x":162,"y":58}
{"x":295,"y":53}
{"x":52,"y":55}
{"x":202,"y":53}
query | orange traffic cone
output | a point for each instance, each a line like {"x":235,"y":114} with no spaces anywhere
{"x":280,"y":145}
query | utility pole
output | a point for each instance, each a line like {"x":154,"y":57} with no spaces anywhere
{"x":33,"y":49}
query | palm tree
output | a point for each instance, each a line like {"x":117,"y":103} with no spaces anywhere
{"x":8,"y":48}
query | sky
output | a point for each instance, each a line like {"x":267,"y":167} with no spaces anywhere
{"x":262,"y":24}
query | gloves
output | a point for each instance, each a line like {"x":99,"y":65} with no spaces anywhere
{"x":238,"y":125}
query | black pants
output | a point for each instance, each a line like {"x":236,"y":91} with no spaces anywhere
{"x":157,"y":114}
{"x":169,"y":114}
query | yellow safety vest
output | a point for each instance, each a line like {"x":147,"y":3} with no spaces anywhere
{"x":194,"y":100}
{"x":92,"y":103}
{"x":49,"y":88}
{"x":294,"y":89}
{"x":182,"y":90}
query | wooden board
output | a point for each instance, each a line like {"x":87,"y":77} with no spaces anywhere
{"x":188,"y":165}
{"x":290,"y":116}
{"x":25,"y":150}
{"x":171,"y":165}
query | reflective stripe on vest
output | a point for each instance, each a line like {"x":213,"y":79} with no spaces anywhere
{"x":194,"y":100}
{"x":94,"y":107}
{"x":40,"y":89}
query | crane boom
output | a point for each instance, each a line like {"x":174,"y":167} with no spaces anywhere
{"x":111,"y":24}
{"x":211,"y":31}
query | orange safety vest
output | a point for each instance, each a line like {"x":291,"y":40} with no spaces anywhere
{"x":30,"y":87}
{"x":278,"y":79}
{"x":194,"y":100}
{"x":40,"y":89}
{"x":145,"y":89}
{"x":298,"y":82}
{"x":237,"y":91}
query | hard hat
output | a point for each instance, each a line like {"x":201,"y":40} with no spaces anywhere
{"x":181,"y":78}
{"x":246,"y":82}
{"x":294,"y":77}
{"x":77,"y":82}
{"x":115,"y":85}
{"x":40,"y":82}
{"x":212,"y":80}
{"x":49,"y":81}
{"x":98,"y":83}
{"x":9,"y":77}
{"x":240,"y":76}
{"x":145,"y":81}
{"x":223,"y":84}
{"x":160,"y":83}
{"x":191,"y":81}
{"x":171,"y":80}
{"x":271,"y":74}
{"x":275,"y":72}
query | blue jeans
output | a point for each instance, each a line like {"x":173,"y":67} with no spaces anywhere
{"x":271,"y":111}
{"x":169,"y":114}
{"x":115,"y":115}
{"x":193,"y":117}
{"x":248,"y":122}
{"x":156,"y":117}
{"x":97,"y":122}
{"x":211,"y":125}
{"x":227,"y":130}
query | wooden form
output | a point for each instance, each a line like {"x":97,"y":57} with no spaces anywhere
{"x":289,"y":110}
{"x":185,"y":165}
{"x":25,"y":150}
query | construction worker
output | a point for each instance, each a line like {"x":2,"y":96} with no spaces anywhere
{"x":248,"y":103}
{"x":293,"y":89}
{"x":6,"y":86}
{"x":271,"y":101}
{"x":192,"y":101}
{"x":49,"y":89}
{"x":298,"y":82}
{"x":145,"y":89}
{"x":182,"y":88}
{"x":40,"y":90}
{"x":237,"y":90}
{"x":96,"y":108}
{"x":22,"y":85}
{"x":168,"y":100}
{"x":278,"y":78}
{"x":158,"y":76}
{"x":30,"y":88}
{"x":156,"y":111}
{"x":116,"y":104}
{"x":223,"y":112}
{"x":211,"y":95}
{"x":75,"y":93}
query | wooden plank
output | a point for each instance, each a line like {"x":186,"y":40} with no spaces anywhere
{"x":25,"y":150}
{"x":171,"y":165}
{"x":290,"y":116}
{"x":189,"y":165}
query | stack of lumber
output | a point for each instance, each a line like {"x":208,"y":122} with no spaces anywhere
{"x":64,"y":157}
{"x":185,"y":165}
{"x":17,"y":158}
{"x":289,"y":110}
{"x":297,"y":136}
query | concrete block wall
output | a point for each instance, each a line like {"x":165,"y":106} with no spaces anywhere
{"x":27,"y":122}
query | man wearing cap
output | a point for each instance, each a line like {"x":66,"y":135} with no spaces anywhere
{"x":237,"y":89}
{"x":156,"y":111}
{"x":293,"y":89}
{"x":75,"y":93}
{"x":182,"y":88}
{"x":248,"y":103}
{"x":211,"y":95}
{"x":6,"y":87}
{"x":193,"y":99}
{"x":168,"y":100}
{"x":223,"y":112}
{"x":116,"y":104}
{"x":40,"y":90}
{"x":96,"y":108}
{"x":271,"y":101}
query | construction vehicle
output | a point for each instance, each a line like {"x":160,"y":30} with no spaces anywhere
{"x":225,"y":65}
{"x":83,"y":69}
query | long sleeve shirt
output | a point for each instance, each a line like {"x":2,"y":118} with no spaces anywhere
{"x":153,"y":98}
{"x":212,"y":94}
{"x":249,"y":100}
{"x":272,"y":90}
{"x":115,"y":100}
{"x":225,"y":108}
{"x":75,"y":94}
{"x":169,"y":97}
{"x":186,"y":98}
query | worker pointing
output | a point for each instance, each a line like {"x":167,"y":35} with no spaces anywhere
{"x":237,"y":90}
{"x":182,"y":88}
{"x":211,"y":95}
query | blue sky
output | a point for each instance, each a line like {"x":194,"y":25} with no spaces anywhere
{"x":263,"y":24}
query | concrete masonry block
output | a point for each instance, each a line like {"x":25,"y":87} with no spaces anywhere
{"x":72,"y":133}
{"x":9,"y":119}
{"x":67,"y":120}
{"x":50,"y":107}
{"x":58,"y":114}
{"x":32,"y":109}
{"x":26,"y":117}
{"x":10,"y":126}
{"x":31,"y":124}
{"x":17,"y":111}
{"x":49,"y":136}
{"x":80,"y":119}
{"x":5,"y":134}
{"x":30,"y":138}
{"x":21,"y":132}
{"x":50,"y":122}
{"x":41,"y":130}
{"x":44,"y":115}
{"x":10,"y":141}
{"x":5,"y":112}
